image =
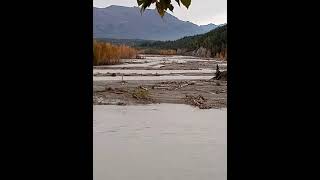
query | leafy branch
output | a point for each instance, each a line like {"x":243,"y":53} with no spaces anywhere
{"x":161,"y":5}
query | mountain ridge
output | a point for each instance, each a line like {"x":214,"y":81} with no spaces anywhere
{"x":120,"y":22}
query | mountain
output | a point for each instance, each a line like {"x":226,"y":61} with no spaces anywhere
{"x":208,"y":27}
{"x":118,"y":22}
{"x":212,"y":43}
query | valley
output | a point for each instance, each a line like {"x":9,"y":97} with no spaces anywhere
{"x":159,"y":94}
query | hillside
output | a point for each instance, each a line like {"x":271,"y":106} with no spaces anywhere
{"x":118,"y":22}
{"x":211,"y":44}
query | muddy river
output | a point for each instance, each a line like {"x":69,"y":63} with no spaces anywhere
{"x":160,"y":129}
{"x":162,"y":141}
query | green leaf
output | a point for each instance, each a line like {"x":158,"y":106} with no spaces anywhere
{"x":139,"y":2}
{"x":160,"y":9}
{"x":186,"y":3}
{"x":167,"y":4}
{"x":163,"y":4}
{"x":178,"y":1}
{"x":145,"y":4}
{"x":171,"y":8}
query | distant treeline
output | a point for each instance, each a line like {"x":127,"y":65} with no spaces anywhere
{"x":158,"y":51}
{"x":128,"y":42}
{"x":215,"y":41}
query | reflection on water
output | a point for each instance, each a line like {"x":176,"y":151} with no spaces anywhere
{"x":163,"y":141}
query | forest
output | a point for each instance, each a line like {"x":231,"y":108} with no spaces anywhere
{"x":215,"y":41}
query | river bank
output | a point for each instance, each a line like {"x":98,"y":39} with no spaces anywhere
{"x":161,"y":79}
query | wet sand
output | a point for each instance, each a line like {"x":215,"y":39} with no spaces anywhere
{"x":179,"y":80}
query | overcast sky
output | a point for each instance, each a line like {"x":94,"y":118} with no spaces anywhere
{"x":200,"y":11}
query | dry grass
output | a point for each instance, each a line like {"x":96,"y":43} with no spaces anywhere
{"x":222,"y":54}
{"x":141,"y":93}
{"x":107,"y":54}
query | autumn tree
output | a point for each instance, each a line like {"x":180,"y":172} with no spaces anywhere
{"x":162,"y":5}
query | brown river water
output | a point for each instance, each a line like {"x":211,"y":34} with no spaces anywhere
{"x":159,"y":142}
